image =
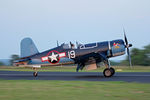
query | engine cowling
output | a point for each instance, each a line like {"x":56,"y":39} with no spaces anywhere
{"x":116,"y":48}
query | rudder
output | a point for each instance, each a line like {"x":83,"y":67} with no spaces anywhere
{"x":28,"y":48}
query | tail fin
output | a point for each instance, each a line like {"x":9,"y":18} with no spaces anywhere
{"x":28,"y":48}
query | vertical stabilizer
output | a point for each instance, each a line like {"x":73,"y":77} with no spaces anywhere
{"x":28,"y":48}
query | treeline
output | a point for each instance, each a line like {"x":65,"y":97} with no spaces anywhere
{"x":9,"y":62}
{"x":1,"y":64}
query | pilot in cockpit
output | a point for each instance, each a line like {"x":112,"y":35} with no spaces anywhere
{"x":72,"y":45}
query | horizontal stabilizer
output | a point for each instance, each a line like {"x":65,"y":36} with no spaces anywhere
{"x":28,"y":48}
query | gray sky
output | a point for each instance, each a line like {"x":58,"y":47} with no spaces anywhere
{"x":86,"y":21}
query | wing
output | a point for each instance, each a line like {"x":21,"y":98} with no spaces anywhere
{"x":90,"y":61}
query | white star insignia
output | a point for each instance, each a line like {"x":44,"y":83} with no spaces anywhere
{"x":53,"y":57}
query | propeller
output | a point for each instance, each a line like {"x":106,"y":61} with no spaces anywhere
{"x":127,"y":46}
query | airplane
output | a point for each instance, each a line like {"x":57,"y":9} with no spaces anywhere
{"x":84,"y":55}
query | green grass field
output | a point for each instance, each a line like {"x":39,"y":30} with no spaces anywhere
{"x":73,"y":69}
{"x":72,"y":90}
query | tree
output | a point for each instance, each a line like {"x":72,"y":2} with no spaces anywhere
{"x":13,"y":58}
{"x":147,"y":54}
{"x":139,"y":57}
{"x":1,"y":63}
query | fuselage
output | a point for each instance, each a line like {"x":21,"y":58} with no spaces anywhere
{"x":66,"y":54}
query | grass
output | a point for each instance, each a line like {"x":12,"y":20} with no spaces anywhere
{"x":72,"y":90}
{"x":73,"y":69}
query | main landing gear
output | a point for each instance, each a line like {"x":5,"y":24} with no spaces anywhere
{"x":109,"y":71}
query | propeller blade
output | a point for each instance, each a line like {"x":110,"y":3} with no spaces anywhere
{"x":127,"y":46}
{"x":125,"y":37}
{"x":129,"y":56}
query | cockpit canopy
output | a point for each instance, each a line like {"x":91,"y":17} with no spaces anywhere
{"x":88,"y":46}
{"x":78,"y":46}
{"x":70,"y":46}
{"x":65,"y":46}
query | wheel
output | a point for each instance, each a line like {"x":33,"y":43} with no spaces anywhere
{"x":107,"y":72}
{"x":112,"y":70}
{"x":35,"y":74}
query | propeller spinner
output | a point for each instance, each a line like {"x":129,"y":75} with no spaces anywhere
{"x":128,"y":46}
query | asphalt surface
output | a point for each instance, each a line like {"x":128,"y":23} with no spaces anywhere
{"x":141,"y":77}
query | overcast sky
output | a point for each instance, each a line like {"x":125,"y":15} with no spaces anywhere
{"x":86,"y":21}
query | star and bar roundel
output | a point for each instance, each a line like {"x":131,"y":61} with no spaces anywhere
{"x":53,"y":57}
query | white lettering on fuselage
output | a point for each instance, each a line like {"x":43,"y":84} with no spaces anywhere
{"x":71,"y":54}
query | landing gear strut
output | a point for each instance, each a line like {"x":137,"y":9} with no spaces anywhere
{"x":109,"y":71}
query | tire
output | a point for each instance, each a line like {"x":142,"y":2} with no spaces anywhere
{"x":35,"y":74}
{"x":112,"y":70}
{"x":107,"y":72}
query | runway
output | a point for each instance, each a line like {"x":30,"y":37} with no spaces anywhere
{"x":142,"y":77}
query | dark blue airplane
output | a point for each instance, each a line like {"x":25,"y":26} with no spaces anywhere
{"x":84,"y":55}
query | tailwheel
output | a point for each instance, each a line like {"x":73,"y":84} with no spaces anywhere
{"x":35,"y":74}
{"x":108,"y":72}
